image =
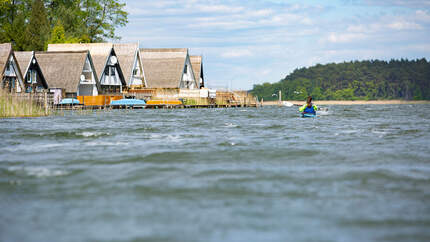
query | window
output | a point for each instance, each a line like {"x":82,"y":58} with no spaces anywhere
{"x":34,"y":78}
{"x":8,"y":66}
{"x":186,"y":69}
{"x":134,"y":72}
{"x":87,"y":66}
{"x":28,"y":77}
{"x":87,"y":76}
{"x":111,"y":72}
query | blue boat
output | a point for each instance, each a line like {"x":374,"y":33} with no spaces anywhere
{"x":128,"y":102}
{"x":69,"y":101}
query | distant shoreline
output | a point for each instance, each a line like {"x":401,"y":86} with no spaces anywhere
{"x":345,"y":102}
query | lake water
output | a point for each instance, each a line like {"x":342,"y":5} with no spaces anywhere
{"x":354,"y":173}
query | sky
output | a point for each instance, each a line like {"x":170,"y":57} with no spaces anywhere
{"x":251,"y":42}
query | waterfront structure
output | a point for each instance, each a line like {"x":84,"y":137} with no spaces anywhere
{"x":34,"y":81}
{"x":107,"y":66}
{"x":131,"y":64}
{"x":168,"y":68}
{"x":10,"y":73}
{"x":197,"y":63}
{"x":72,"y":72}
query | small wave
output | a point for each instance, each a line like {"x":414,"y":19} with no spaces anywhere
{"x":381,"y":174}
{"x":93,"y":134}
{"x":66,"y":134}
{"x":381,"y":132}
{"x":105,"y":143}
{"x":230,"y":125}
{"x":174,"y":138}
{"x":228,"y":144}
{"x":170,"y":157}
{"x":34,"y":147}
{"x":275,"y":126}
{"x":145,"y":129}
{"x":323,"y":113}
{"x":37,"y":171}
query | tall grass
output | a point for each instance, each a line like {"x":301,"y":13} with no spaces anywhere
{"x":18,"y":106}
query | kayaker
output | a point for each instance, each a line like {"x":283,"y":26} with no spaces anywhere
{"x":309,"y":107}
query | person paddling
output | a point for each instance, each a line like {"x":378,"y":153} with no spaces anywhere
{"x":309,"y":107}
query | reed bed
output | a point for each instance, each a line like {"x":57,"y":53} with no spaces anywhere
{"x":17,"y":106}
{"x":196,"y":101}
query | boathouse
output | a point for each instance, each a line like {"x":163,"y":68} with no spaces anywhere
{"x":10,"y":73}
{"x":168,"y":68}
{"x":72,"y":72}
{"x":34,"y":81}
{"x":197,"y":63}
{"x":129,"y":58}
{"x":107,"y":66}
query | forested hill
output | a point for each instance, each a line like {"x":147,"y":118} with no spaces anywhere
{"x":366,"y":80}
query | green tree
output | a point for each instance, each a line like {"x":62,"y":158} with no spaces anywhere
{"x":58,"y":36}
{"x":29,"y":24}
{"x":317,"y":93}
{"x":102,"y":17}
{"x":13,"y":17}
{"x":37,"y":30}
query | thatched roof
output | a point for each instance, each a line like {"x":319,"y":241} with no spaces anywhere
{"x":5,"y":52}
{"x":196,"y":62}
{"x":126,"y":54}
{"x":62,"y":69}
{"x":163,"y":67}
{"x":24,"y":59}
{"x":99,"y":52}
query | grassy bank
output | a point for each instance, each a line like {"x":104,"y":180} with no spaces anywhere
{"x":14,"y":106}
{"x":359,"y":102}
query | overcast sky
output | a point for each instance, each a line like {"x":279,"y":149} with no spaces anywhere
{"x":250,"y":42}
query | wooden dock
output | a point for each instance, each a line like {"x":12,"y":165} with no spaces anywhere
{"x":157,"y":106}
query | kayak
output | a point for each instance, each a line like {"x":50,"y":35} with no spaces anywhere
{"x":308,"y":115}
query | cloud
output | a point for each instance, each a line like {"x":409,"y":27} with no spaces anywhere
{"x":345,"y":37}
{"x":422,"y":15}
{"x":237,"y":53}
{"x":231,"y":34}
{"x":404,"y":25}
{"x":219,"y":9}
{"x":391,"y":3}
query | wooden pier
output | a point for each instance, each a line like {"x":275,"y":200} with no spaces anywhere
{"x":152,"y":106}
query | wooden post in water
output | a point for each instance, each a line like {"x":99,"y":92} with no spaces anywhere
{"x":280,"y":98}
{"x":31,"y":104}
{"x":46,"y":103}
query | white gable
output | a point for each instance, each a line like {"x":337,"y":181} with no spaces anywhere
{"x":188,"y":81}
{"x":138,"y":73}
{"x":88,"y":83}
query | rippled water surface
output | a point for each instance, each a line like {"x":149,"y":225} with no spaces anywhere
{"x":355,"y":173}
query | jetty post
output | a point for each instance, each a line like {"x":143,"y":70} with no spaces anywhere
{"x":280,"y":98}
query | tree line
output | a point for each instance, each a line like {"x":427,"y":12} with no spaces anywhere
{"x":355,"y":80}
{"x":32,"y":24}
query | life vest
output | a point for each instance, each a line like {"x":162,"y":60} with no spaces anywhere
{"x":309,"y":110}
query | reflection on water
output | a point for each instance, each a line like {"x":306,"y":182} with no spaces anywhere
{"x":354,"y":173}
